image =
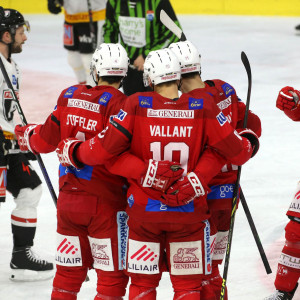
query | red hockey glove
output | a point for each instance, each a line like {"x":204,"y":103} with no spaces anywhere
{"x":65,"y":151}
{"x":252,"y":137}
{"x":184,"y":191}
{"x":23,"y":134}
{"x":160,"y":175}
{"x":288,"y":98}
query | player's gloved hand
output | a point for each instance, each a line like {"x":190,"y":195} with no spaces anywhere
{"x":160,"y":175}
{"x":184,"y":191}
{"x":66,"y":153}
{"x":251,"y":136}
{"x":23,"y":134}
{"x":288,"y":98}
{"x":54,"y":7}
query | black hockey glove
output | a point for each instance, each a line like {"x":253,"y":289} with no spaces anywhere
{"x":54,"y":7}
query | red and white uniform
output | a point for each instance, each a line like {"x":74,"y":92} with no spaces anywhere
{"x":288,"y":271}
{"x":153,"y":127}
{"x":222,"y":185}
{"x":90,"y":209}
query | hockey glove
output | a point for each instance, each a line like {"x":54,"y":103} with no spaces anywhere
{"x":160,"y":175}
{"x":288,"y":98}
{"x":252,"y":137}
{"x":184,"y":191}
{"x":66,"y":153}
{"x":23,"y":134}
{"x":54,"y":7}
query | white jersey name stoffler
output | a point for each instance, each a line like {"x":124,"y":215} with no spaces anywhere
{"x":7,"y":103}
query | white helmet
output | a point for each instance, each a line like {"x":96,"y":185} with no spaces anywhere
{"x":110,"y":60}
{"x":161,"y":66}
{"x":188,"y":56}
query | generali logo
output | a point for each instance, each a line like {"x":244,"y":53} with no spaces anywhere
{"x":185,"y":258}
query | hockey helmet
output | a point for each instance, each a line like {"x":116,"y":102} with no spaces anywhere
{"x":161,"y":66}
{"x":110,"y":60}
{"x":188,"y":56}
{"x":11,"y":19}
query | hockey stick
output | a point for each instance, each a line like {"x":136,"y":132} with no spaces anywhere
{"x":171,"y":25}
{"x":24,"y":122}
{"x":237,"y":183}
{"x":255,"y":234}
{"x":92,"y":27}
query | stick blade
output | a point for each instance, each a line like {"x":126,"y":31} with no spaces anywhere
{"x":170,"y":24}
{"x":246,"y":63}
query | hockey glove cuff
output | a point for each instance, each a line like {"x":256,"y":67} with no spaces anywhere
{"x":160,"y":175}
{"x":66,"y":151}
{"x":23,"y":134}
{"x":184,"y":191}
{"x":288,"y":98}
{"x":252,"y":137}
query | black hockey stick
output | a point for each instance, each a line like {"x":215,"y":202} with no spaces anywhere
{"x":237,"y":183}
{"x":24,"y":122}
{"x":92,"y":27}
{"x":255,"y":233}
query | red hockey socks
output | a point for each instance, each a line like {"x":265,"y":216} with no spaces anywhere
{"x":187,"y":295}
{"x":140,"y":292}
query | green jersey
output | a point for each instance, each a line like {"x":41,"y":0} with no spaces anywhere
{"x":136,"y":25}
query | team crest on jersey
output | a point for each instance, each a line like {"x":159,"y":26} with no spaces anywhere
{"x":145,"y":101}
{"x":228,"y":89}
{"x":221,"y":119}
{"x":195,"y":103}
{"x":105,"y":97}
{"x":69,"y":93}
{"x":150,"y":15}
{"x":121,"y":115}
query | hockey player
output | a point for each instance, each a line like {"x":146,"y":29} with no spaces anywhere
{"x":91,"y":219}
{"x":136,"y":23}
{"x":77,"y":33}
{"x":288,"y":271}
{"x":222,"y":185}
{"x":160,"y":125}
{"x":22,"y":181}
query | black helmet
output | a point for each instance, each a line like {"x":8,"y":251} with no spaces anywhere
{"x":11,"y":19}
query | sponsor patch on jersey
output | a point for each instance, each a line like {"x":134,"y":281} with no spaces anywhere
{"x":207,"y":250}
{"x":224,"y":191}
{"x":130,"y":200}
{"x":70,"y":91}
{"x":145,"y":101}
{"x":121,"y":115}
{"x":225,"y":103}
{"x":78,"y":103}
{"x":221,"y":119}
{"x":84,"y":173}
{"x":295,"y":204}
{"x":195,"y":103}
{"x":14,"y":80}
{"x":105,"y":97}
{"x":170,"y":113}
{"x":227,"y":89}
{"x":68,"y":251}
{"x":68,"y":35}
{"x":150,"y":15}
{"x":102,"y":254}
{"x":289,"y":261}
{"x":122,"y":218}
{"x":143,"y":257}
{"x":221,"y":244}
{"x":155,"y":205}
{"x":186,"y":258}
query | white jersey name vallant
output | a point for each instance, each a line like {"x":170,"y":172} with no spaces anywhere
{"x":171,"y":131}
{"x":7,"y":103}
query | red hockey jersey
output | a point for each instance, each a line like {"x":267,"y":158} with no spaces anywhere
{"x":234,"y":110}
{"x":82,"y":112}
{"x":151,"y":126}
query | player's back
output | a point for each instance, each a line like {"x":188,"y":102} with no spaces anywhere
{"x":82,"y":113}
{"x":174,"y":130}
